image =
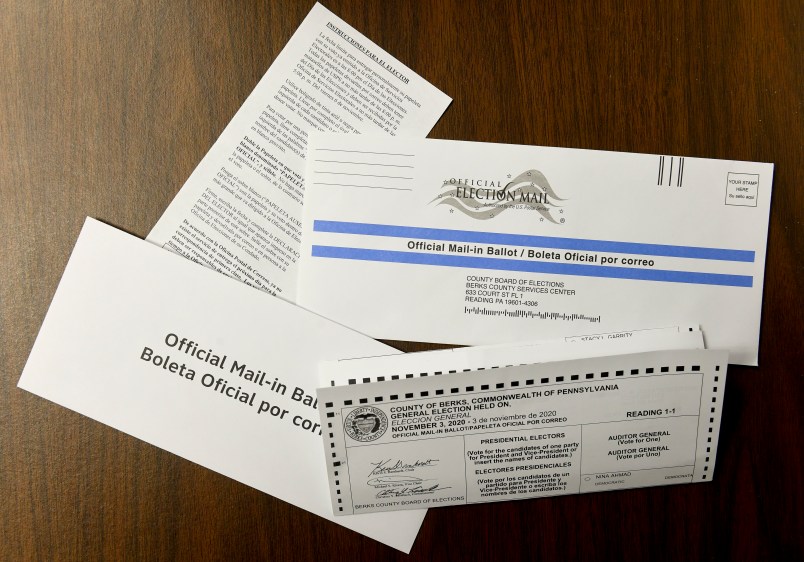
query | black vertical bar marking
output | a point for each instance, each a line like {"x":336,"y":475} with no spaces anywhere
{"x":680,"y":171}
{"x":670,"y":177}
{"x":661,"y":170}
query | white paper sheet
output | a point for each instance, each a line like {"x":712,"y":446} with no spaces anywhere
{"x":240,"y":211}
{"x":446,"y":361}
{"x":129,"y":324}
{"x":585,"y":425}
{"x":477,"y":243}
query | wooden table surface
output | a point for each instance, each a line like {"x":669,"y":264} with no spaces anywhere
{"x":106,"y":108}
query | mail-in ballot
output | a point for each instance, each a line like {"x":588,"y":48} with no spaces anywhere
{"x":530,"y":431}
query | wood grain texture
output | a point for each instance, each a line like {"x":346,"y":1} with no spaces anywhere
{"x":105,"y":109}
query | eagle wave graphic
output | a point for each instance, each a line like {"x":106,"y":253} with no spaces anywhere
{"x":529,"y":184}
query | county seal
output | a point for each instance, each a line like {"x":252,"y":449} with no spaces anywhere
{"x":366,"y":423}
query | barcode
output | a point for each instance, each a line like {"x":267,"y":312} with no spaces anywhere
{"x":530,"y":314}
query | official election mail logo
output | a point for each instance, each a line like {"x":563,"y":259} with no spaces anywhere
{"x":366,"y":424}
{"x":484,"y":199}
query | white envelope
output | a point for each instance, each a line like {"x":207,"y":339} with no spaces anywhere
{"x":130,"y":322}
{"x":362,"y":370}
{"x":476,"y":243}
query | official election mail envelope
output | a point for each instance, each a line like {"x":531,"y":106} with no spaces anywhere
{"x":476,"y":243}
{"x":463,"y":359}
{"x":530,"y":431}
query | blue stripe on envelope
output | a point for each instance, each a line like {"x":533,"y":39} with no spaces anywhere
{"x":667,"y":250}
{"x":502,"y":264}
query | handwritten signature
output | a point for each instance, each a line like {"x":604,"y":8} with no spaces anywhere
{"x":410,"y":491}
{"x":391,"y":467}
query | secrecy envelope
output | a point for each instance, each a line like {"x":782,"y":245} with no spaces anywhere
{"x":477,"y":243}
{"x":197,"y":364}
{"x":568,"y":427}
